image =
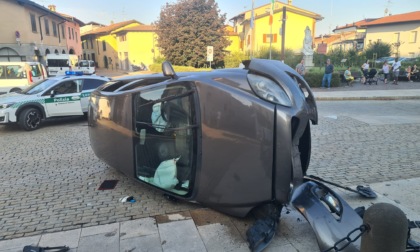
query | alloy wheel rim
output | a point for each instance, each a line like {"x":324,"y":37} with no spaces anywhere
{"x":33,"y":119}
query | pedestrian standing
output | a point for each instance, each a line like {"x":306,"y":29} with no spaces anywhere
{"x":329,"y":69}
{"x":365,"y":70}
{"x":396,"y":70}
{"x":385,"y":69}
{"x":300,"y":68}
{"x":409,"y":73}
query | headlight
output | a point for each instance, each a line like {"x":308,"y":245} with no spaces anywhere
{"x":268,"y":90}
{"x":6,"y":105}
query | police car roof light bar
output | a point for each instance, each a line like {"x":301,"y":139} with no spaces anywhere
{"x":76,"y":73}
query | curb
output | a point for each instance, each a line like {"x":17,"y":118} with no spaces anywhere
{"x":376,"y":98}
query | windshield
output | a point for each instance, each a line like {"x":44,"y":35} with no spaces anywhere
{"x":58,"y":62}
{"x":39,"y":87}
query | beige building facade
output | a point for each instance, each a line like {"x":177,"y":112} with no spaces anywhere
{"x":29,"y":31}
{"x":401,"y":31}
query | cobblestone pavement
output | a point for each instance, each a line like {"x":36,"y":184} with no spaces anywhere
{"x":382,"y":143}
{"x":50,"y":176}
{"x":50,"y":179}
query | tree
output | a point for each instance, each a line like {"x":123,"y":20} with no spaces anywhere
{"x":187,"y":27}
{"x":381,"y":49}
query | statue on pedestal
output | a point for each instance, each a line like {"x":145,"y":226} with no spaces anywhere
{"x":307,"y":43}
{"x":308,"y":52}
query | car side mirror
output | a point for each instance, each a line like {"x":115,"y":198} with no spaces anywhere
{"x":168,"y":70}
{"x":53,"y":93}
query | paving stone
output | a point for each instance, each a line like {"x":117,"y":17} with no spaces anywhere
{"x":19,"y":243}
{"x":136,"y":228}
{"x":110,"y":228}
{"x":149,"y":243}
{"x":99,"y":243}
{"x":180,"y":236}
{"x":65,"y":238}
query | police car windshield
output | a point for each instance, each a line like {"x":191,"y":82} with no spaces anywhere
{"x":39,"y":87}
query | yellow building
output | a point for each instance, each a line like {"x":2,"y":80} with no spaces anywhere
{"x":233,"y":37}
{"x":263,"y":33}
{"x":101,"y":44}
{"x":137,"y":45}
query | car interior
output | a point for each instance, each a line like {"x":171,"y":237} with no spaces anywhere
{"x":164,"y":143}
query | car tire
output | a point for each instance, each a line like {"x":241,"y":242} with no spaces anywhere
{"x":30,"y":119}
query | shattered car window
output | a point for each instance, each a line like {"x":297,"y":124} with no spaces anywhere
{"x":165,"y":132}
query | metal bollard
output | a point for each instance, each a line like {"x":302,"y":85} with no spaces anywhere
{"x":388,"y":229}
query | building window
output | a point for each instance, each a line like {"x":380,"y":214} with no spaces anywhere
{"x":123,"y":38}
{"x":54,"y":26}
{"x":83,"y":47}
{"x":69,"y":32}
{"x":413,"y":37}
{"x":63,"y":31}
{"x":72,"y":33}
{"x":91,"y":43}
{"x":47,"y":26}
{"x":77,"y":40}
{"x":267,"y":38}
{"x":33,"y":23}
{"x":103,"y":45}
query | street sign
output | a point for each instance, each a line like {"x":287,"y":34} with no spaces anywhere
{"x":209,"y":53}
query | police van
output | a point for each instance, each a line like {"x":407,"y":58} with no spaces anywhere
{"x":58,"y":64}
{"x":58,"y":96}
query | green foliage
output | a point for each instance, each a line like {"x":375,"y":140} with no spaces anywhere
{"x":353,"y":58}
{"x":187,"y":27}
{"x":159,"y":60}
{"x":233,"y":59}
{"x":157,"y":68}
{"x":381,"y":49}
{"x":314,"y":78}
{"x":290,"y":57}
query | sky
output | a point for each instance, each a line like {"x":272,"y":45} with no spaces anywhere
{"x":335,"y":12}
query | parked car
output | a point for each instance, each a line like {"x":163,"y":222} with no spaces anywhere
{"x":15,"y":76}
{"x":383,"y":59}
{"x":66,"y":95}
{"x":86,"y":66}
{"x":236,"y":140}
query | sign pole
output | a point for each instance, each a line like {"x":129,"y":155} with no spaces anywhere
{"x":210,"y":54}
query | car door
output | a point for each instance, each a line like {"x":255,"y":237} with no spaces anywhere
{"x":88,"y":86}
{"x":64,"y":99}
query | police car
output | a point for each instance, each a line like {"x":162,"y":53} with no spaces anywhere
{"x":66,"y":95}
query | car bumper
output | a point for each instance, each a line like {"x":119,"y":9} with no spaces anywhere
{"x":311,"y":200}
{"x":4,"y":117}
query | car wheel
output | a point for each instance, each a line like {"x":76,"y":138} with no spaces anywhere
{"x":30,"y":119}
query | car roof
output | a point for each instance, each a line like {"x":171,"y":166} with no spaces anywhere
{"x":62,"y":77}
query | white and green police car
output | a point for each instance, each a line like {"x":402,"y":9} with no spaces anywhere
{"x":66,"y":95}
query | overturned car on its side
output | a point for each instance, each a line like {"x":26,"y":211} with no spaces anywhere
{"x":232,"y":139}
